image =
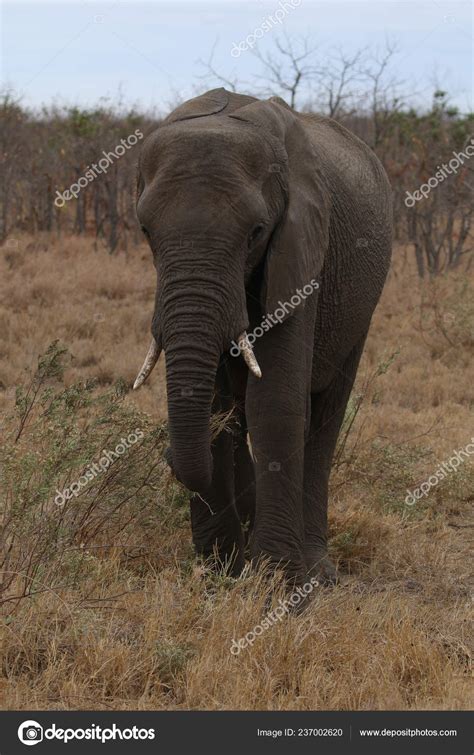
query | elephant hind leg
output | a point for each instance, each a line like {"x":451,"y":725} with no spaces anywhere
{"x":327,"y":414}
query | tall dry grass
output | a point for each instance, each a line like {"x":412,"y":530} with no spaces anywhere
{"x":103,"y":605}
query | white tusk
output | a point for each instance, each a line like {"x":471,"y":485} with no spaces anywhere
{"x":150,"y":360}
{"x":249,"y":446}
{"x":248,"y":355}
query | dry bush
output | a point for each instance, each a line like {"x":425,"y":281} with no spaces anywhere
{"x":80,"y":476}
{"x":103,"y":603}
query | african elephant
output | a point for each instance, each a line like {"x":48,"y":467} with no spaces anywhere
{"x":262,"y":222}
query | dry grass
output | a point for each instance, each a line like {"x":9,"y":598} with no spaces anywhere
{"x":116,"y":614}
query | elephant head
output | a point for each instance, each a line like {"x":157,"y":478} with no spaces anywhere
{"x":227,"y":194}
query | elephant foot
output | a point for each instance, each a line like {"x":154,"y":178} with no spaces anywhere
{"x":321,"y":566}
{"x":292,"y":565}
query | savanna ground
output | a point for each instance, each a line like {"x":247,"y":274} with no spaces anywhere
{"x":103,"y":605}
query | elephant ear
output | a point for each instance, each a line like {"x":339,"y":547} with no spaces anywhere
{"x":299,"y":243}
{"x":212,"y":102}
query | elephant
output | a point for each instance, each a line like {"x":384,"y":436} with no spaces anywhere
{"x":271,"y":235}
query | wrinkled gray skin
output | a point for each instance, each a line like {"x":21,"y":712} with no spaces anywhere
{"x":243,"y":203}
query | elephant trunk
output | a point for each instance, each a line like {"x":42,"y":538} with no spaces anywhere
{"x":190,"y":377}
{"x":195,"y":330}
{"x":200,"y":308}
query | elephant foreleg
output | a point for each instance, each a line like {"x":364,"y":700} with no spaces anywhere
{"x":276,"y":410}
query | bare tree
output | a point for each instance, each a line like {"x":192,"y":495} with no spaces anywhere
{"x":440,"y":225}
{"x":382,"y":91}
{"x":212,"y":74}
{"x":337,"y":81}
{"x":285,"y":74}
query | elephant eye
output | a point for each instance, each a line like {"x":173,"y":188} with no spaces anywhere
{"x":145,"y":232}
{"x":256,"y":233}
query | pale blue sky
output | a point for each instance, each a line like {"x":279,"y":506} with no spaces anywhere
{"x":77,"y":52}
